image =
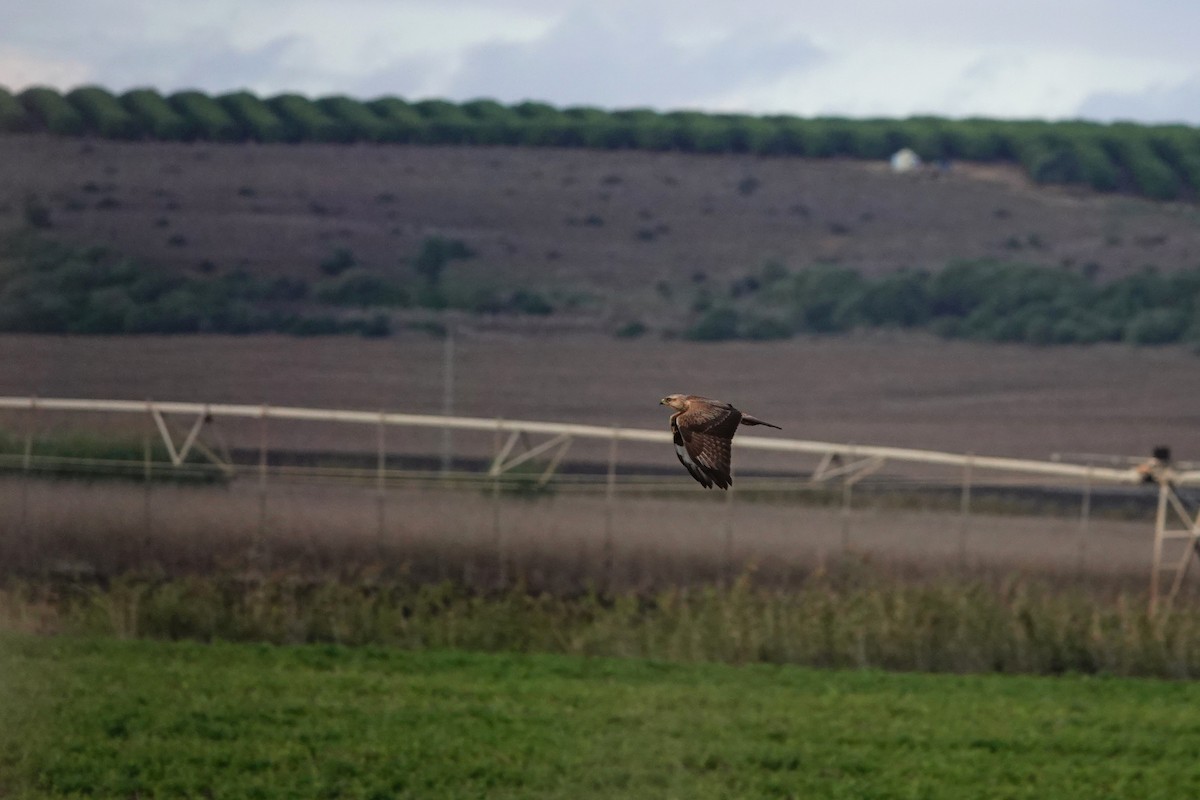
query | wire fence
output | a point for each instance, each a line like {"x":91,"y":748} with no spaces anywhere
{"x":187,"y":486}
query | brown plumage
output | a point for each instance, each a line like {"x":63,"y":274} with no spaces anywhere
{"x":703,"y":431}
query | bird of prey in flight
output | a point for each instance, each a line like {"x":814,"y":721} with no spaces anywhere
{"x":703,"y":431}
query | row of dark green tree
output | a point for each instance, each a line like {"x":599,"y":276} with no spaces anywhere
{"x":46,"y":287}
{"x":50,"y":287}
{"x":979,"y":300}
{"x":1161,"y":161}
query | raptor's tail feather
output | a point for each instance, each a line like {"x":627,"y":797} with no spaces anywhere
{"x":749,"y":420}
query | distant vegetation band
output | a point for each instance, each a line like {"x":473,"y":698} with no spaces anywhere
{"x":48,"y":287}
{"x":1161,"y":162}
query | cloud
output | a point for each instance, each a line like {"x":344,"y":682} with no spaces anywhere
{"x":410,"y":77}
{"x":593,"y":58}
{"x":269,"y":46}
{"x":20,"y":69}
{"x":903,"y":78}
{"x":210,"y":64}
{"x":1096,"y":58}
{"x":1179,"y":102}
{"x":205,"y":57}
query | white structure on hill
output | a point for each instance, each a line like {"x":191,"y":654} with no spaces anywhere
{"x":905,"y":160}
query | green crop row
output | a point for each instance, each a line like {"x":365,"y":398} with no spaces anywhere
{"x":103,"y":718}
{"x":855,"y":615}
{"x":1160,"y":162}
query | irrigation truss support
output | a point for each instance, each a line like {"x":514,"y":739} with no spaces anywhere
{"x":1175,"y":563}
{"x":502,"y":463}
{"x":850,"y":462}
{"x":178,"y":455}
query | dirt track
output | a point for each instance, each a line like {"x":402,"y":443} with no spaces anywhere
{"x":909,"y":391}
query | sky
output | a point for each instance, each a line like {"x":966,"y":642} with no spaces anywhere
{"x":1054,"y":59}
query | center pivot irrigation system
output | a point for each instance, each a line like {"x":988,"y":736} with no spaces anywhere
{"x":1174,"y":523}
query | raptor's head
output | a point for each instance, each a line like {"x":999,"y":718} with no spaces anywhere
{"x":675,"y":401}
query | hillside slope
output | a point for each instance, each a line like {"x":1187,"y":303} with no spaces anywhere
{"x":613,"y":231}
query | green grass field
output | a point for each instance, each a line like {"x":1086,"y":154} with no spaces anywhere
{"x":110,"y":718}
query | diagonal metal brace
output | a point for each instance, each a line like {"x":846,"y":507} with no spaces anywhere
{"x":828,"y":460}
{"x":180,"y":454}
{"x":548,"y":472}
{"x":500,"y":465}
{"x":854,"y":471}
{"x":1191,"y":533}
{"x":177,"y":456}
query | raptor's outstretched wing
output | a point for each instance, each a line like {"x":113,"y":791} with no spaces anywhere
{"x":703,"y":430}
{"x":703,"y":437}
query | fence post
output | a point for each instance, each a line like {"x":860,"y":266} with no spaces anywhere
{"x":1085,"y":513}
{"x":497,"y":531}
{"x":1160,"y":529}
{"x":729,"y":576}
{"x":610,"y":490}
{"x":260,"y":546}
{"x":380,"y":478}
{"x":847,"y":488}
{"x":964,"y":511}
{"x":147,"y":477}
{"x":448,"y":399}
{"x":26,"y":471}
